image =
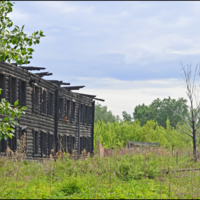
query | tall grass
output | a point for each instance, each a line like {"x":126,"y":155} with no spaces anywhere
{"x":139,"y":174}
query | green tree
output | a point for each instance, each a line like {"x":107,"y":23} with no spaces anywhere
{"x":7,"y":123}
{"x":142,"y":113}
{"x":102,"y":113}
{"x":126,"y":116}
{"x":15,"y":44}
{"x":159,"y":111}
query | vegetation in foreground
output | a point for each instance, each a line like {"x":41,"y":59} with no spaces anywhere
{"x":135,"y":175}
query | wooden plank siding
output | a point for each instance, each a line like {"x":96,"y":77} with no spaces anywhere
{"x":44,"y":121}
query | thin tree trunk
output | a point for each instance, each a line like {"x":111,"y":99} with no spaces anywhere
{"x":195,"y":149}
{"x":194,"y":143}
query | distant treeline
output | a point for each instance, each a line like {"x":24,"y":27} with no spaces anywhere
{"x":158,"y":110}
{"x":153,"y":123}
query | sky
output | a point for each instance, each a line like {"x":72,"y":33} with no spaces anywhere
{"x":126,"y":52}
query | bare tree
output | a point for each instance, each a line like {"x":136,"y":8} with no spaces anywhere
{"x":191,"y":127}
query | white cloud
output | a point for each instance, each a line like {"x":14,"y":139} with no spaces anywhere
{"x":64,"y":7}
{"x":125,"y":95}
{"x":19,"y":17}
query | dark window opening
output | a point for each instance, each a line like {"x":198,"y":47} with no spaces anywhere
{"x":68,"y":144}
{"x":44,"y":105}
{"x":12,"y":143}
{"x":74,"y":142}
{"x":22,"y":132}
{"x":68,"y":109}
{"x":2,"y":86}
{"x":44,"y":143}
{"x":50,"y":144}
{"x":13,"y":90}
{"x":89,"y":114}
{"x":3,"y":146}
{"x":63,"y":143}
{"x":85,"y":114}
{"x":81,"y":144}
{"x":81,"y":109}
{"x":36,"y":142}
{"x":73,"y":110}
{"x":36,"y":98}
{"x":71,"y":141}
{"x":50,"y":104}
{"x":22,"y":93}
{"x":61,"y":108}
{"x":88,"y":144}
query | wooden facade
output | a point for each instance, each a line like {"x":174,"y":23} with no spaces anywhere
{"x":56,"y":118}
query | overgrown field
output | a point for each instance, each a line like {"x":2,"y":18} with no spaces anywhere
{"x":139,"y":174}
{"x":136,"y":175}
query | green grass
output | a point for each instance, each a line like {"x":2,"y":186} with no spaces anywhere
{"x":135,"y":175}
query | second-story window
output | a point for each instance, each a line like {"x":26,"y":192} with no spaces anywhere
{"x":82,"y":113}
{"x":89,"y":114}
{"x":36,"y":98}
{"x":61,"y":110}
{"x":81,"y":109}
{"x":13,"y":90}
{"x":67,"y":109}
{"x":22,"y":93}
{"x":2,"y":86}
{"x":44,"y":100}
{"x":73,"y":111}
{"x":50,"y":104}
{"x":85,"y":114}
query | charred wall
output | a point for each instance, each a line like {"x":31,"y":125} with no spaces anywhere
{"x":52,"y":116}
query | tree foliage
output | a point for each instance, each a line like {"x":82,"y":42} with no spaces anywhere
{"x":115,"y":134}
{"x":8,"y":123}
{"x":15,"y":44}
{"x":126,"y":116}
{"x":102,"y":113}
{"x":159,"y":111}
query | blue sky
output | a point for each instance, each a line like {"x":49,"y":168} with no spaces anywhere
{"x":127,"y":53}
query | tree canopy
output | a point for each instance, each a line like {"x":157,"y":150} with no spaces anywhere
{"x":126,"y":116}
{"x":102,"y":113}
{"x":15,"y":44}
{"x":159,"y":110}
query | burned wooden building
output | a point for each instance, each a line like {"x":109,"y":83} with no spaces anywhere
{"x":56,"y":117}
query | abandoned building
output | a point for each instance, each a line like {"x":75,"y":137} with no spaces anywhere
{"x":56,"y":117}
